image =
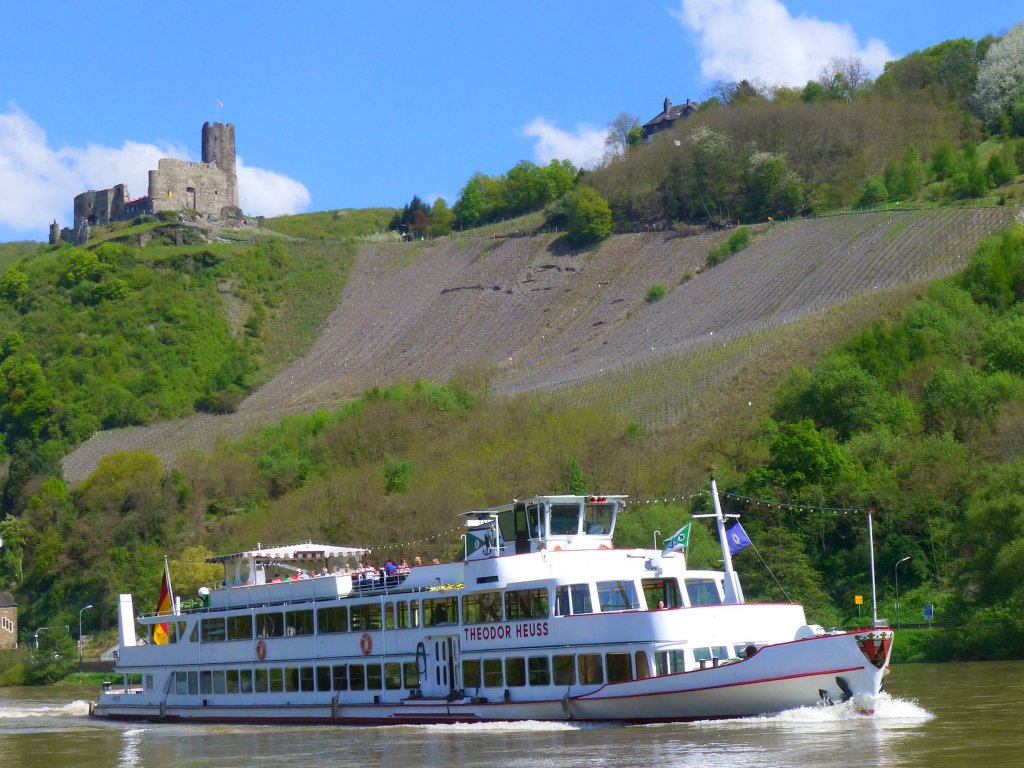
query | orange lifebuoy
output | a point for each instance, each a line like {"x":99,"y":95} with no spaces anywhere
{"x":261,"y":650}
{"x":366,"y":644}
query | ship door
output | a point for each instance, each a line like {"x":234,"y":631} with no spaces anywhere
{"x":444,"y":675}
{"x":522,"y":527}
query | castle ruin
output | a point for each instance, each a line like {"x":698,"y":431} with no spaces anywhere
{"x":208,"y":189}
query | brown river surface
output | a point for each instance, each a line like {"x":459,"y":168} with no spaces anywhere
{"x":934,"y":716}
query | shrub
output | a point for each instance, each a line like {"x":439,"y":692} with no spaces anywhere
{"x":655,"y":293}
{"x":874,"y":192}
{"x":737,"y":241}
{"x":590,"y":218}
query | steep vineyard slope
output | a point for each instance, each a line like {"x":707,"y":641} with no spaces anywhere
{"x":540,"y":319}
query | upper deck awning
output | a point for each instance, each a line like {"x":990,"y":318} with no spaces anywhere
{"x":302,"y":552}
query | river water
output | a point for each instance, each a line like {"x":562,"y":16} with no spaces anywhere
{"x":934,"y":716}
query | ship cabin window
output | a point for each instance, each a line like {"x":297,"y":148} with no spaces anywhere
{"x":526,"y":604}
{"x":703,"y":592}
{"x":471,"y":673}
{"x":564,"y":519}
{"x":591,"y":672}
{"x":598,"y":518}
{"x":332,"y":620}
{"x":515,"y":672}
{"x":710,"y":654}
{"x":563,"y":670}
{"x":661,"y":593}
{"x":240,"y":627}
{"x":617,"y":596}
{"x":147,"y":682}
{"x":619,"y":667}
{"x":176,"y":631}
{"x":481,"y":607}
{"x":573,"y":599}
{"x":213,"y":630}
{"x":299,"y":623}
{"x":245,"y":681}
{"x":276,"y":680}
{"x":670,"y":662}
{"x":393,"y":676}
{"x":493,"y":677}
{"x":440,"y":610}
{"x":410,"y":675}
{"x":373,"y":677}
{"x":323,"y":678}
{"x":262,"y":681}
{"x":643,"y":667}
{"x":414,"y":612}
{"x":365,"y":617}
{"x":389,"y":616}
{"x":339,"y":676}
{"x":539,"y":670}
{"x":270,"y":624}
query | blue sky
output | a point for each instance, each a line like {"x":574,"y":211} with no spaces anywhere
{"x":349,"y":105}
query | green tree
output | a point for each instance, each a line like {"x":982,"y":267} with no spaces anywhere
{"x":575,"y":478}
{"x":1001,"y":77}
{"x":590,"y":218}
{"x":54,"y":657}
{"x":13,"y":286}
{"x":440,"y":218}
{"x":874,"y":192}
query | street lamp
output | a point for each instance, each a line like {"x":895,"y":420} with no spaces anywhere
{"x":81,"y":647}
{"x":896,"y":573}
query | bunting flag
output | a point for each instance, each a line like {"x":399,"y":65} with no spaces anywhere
{"x":164,"y":606}
{"x":677,"y":540}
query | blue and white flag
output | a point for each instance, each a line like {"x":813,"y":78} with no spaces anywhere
{"x":677,"y":540}
{"x":737,"y":537}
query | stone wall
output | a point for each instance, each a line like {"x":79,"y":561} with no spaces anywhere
{"x":100,"y":207}
{"x":182,"y":185}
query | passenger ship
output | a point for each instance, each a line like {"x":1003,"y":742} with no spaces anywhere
{"x":541,"y":620}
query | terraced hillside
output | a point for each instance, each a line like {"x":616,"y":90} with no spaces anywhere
{"x":536,"y":318}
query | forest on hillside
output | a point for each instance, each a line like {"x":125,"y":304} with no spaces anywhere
{"x":918,"y":417}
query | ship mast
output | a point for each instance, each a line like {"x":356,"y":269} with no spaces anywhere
{"x":733,"y":590}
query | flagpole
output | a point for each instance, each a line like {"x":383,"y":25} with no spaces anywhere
{"x":733,"y":592}
{"x":871,"y":549}
{"x":170,"y":589}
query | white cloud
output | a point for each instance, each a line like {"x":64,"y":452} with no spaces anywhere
{"x":268,"y":193}
{"x":760,"y":39}
{"x":584,"y":147}
{"x":38,"y":182}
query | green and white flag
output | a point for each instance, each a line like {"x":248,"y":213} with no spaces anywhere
{"x":677,"y":540}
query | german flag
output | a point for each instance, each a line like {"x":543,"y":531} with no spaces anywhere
{"x":164,"y":606}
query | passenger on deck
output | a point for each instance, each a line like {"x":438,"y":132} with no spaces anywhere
{"x":324,"y":571}
{"x":403,"y":567}
{"x":276,"y":579}
{"x":417,"y":561}
{"x":436,"y":561}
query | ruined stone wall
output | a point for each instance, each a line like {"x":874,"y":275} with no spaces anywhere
{"x":100,"y":206}
{"x":181,"y":185}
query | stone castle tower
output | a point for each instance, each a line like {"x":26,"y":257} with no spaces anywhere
{"x":219,"y":149}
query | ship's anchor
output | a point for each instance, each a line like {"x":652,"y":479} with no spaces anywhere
{"x":843,"y":686}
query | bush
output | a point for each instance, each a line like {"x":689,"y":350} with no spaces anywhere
{"x":874,"y":192}
{"x":737,"y":241}
{"x":655,"y":293}
{"x":590,"y":218}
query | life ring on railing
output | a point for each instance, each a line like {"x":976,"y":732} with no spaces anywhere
{"x":366,"y":644}
{"x":261,"y":650}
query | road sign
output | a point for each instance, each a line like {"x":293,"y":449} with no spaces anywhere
{"x":858,"y":599}
{"x":929,"y":611}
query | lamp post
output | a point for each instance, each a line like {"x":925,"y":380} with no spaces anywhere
{"x":896,"y":573}
{"x":81,"y":646}
{"x":656,"y":535}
